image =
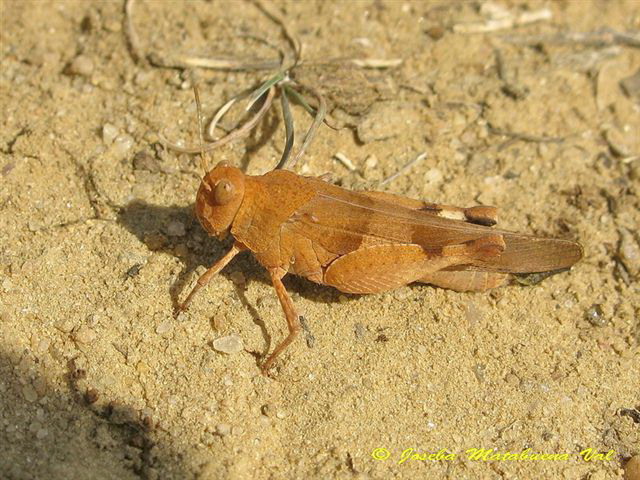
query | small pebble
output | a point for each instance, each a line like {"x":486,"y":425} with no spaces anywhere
{"x":176,"y":228}
{"x":109,"y":133}
{"x":65,"y":325}
{"x":181,"y":250}
{"x":6,"y":285}
{"x":43,"y":345}
{"x":631,"y":85}
{"x":81,"y":65}
{"x":238,"y":278}
{"x":229,"y":344}
{"x":122,"y":144}
{"x":617,"y":142}
{"x":435,"y":32}
{"x":433,"y":176}
{"x":371,"y":161}
{"x":143,"y":78}
{"x":595,"y":316}
{"x":29,"y":393}
{"x":85,"y":335}
{"x":41,"y":433}
{"x":629,"y":252}
{"x":163,"y":328}
{"x":155,"y":241}
{"x":223,"y":429}
{"x":145,"y":161}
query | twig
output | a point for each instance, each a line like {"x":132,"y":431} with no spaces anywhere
{"x":525,"y":137}
{"x":237,"y":133}
{"x":600,"y":38}
{"x":293,"y":42}
{"x":404,"y":169}
{"x":344,"y":160}
{"x":503,"y":23}
{"x":212,"y":63}
{"x":377,"y":62}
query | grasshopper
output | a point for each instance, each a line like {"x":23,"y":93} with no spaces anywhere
{"x":361,"y":241}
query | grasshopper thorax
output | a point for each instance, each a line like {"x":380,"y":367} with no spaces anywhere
{"x":219,"y":198}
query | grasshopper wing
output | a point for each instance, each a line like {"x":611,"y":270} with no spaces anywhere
{"x":342,"y":221}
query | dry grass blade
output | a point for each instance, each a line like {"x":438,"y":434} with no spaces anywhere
{"x":404,"y":169}
{"x":224,"y":63}
{"x":310,"y":110}
{"x":263,"y":88}
{"x":235,"y":134}
{"x":203,"y":160}
{"x":289,"y":135}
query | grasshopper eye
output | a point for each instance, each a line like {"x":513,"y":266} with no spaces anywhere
{"x":223,"y":192}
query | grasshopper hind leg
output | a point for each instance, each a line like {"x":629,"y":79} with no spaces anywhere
{"x":290,"y":313}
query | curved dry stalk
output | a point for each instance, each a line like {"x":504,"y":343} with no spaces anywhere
{"x":235,"y":134}
{"x":216,"y":118}
{"x":310,"y":110}
{"x":293,"y":42}
{"x":187,"y":61}
{"x":130,"y":32}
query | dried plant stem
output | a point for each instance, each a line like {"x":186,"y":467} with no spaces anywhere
{"x":404,"y":169}
{"x":235,"y":134}
{"x":130,"y":32}
{"x":602,"y":38}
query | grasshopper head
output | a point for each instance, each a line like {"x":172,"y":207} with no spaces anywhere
{"x":219,"y":198}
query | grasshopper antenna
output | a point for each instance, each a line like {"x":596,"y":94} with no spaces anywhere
{"x":203,"y":161}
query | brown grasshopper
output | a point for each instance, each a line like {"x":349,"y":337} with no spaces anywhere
{"x":361,"y":242}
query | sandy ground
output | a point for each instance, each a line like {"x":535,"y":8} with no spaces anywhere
{"x":98,"y":241}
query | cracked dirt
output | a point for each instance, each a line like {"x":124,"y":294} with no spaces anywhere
{"x":98,"y":242}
